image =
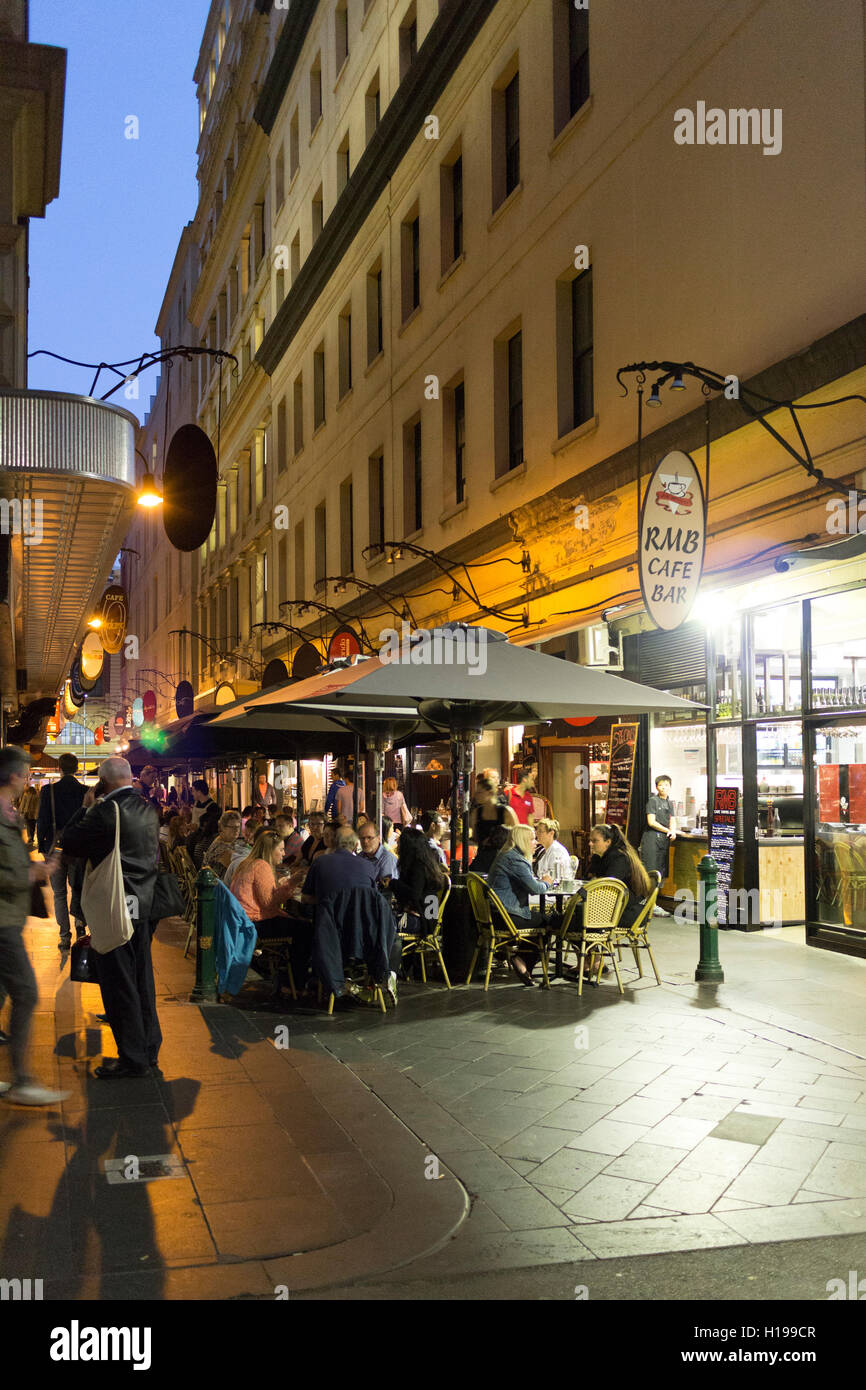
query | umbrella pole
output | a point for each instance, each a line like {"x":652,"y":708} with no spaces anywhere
{"x":379,"y":764}
{"x":469,"y":759}
{"x":455,"y":773}
{"x":355,"y":781}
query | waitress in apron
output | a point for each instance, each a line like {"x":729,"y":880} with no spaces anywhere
{"x":661,"y":829}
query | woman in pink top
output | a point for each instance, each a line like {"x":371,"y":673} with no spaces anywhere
{"x":261,"y":895}
{"x":394,"y":803}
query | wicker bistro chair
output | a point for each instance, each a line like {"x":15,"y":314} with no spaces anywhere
{"x":502,"y":937}
{"x":635,"y":936}
{"x":186,"y":872}
{"x":275,"y":956}
{"x":414,"y":945}
{"x":603,"y":905}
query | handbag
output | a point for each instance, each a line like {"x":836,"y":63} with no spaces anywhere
{"x":81,"y":963}
{"x":167,"y":898}
{"x":103,"y":899}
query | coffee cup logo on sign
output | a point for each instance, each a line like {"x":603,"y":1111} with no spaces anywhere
{"x":672,"y":540}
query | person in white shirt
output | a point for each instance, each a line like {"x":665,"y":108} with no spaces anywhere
{"x":432,"y":827}
{"x":554,"y":861}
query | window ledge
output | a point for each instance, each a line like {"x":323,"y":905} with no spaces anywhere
{"x":588,"y":427}
{"x":315,"y":130}
{"x":319,"y":428}
{"x":376,"y":560}
{"x":292,"y":180}
{"x":518,"y":472}
{"x":343,"y":66}
{"x":346,"y":396}
{"x":505,"y":205}
{"x":380,"y":356}
{"x":455,"y":265}
{"x":451,"y":512}
{"x":297,"y":454}
{"x":570,"y":127}
{"x":367,"y":12}
{"x":406,"y":322}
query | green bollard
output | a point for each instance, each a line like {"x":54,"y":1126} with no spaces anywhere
{"x":709,"y":966}
{"x":205,"y":988}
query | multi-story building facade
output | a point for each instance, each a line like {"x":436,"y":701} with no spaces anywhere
{"x":432,"y":234}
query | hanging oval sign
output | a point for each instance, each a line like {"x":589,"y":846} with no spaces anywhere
{"x":97,"y":737}
{"x":276,"y":673}
{"x":113,"y":609}
{"x":76,"y":689}
{"x":92,"y":658}
{"x":672,"y":536}
{"x":69,"y":706}
{"x":137,"y":712}
{"x":224,"y":694}
{"x":120,"y":722}
{"x":307,"y":661}
{"x":189,"y":488}
{"x":184,"y":699}
{"x":148,"y":706}
{"x":344,"y":643}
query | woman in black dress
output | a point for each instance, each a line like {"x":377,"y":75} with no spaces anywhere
{"x":420,"y":881}
{"x":613,"y":857}
{"x":487,"y":813}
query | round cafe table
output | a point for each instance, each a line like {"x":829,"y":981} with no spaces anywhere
{"x":560,"y":898}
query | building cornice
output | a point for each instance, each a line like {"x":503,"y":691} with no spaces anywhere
{"x":295,"y":28}
{"x":444,"y":47}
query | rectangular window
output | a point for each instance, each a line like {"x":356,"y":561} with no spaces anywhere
{"x":295,"y":256}
{"x":280,"y":179}
{"x":315,"y":94}
{"x":345,"y":327}
{"x":411,"y":265}
{"x":234,"y":609}
{"x":515,"y":400}
{"x":321,"y":544}
{"x":412,"y":478}
{"x":581,"y":348}
{"x":570,"y":61}
{"x":251,"y":483}
{"x":451,"y":211}
{"x":318,"y":213}
{"x":294,"y":145}
{"x":347,"y":527}
{"x":300,"y":563}
{"x":343,"y":166}
{"x":282,"y":572}
{"x":234,"y":500}
{"x":376,"y":490}
{"x":279,"y":288}
{"x":341,"y":35}
{"x":408,"y":40}
{"x":375,"y":320}
{"x":372,"y":108}
{"x":512,"y":134}
{"x":319,"y":386}
{"x":460,"y":442}
{"x":578,"y":57}
{"x":298,"y":412}
{"x":282,"y":436}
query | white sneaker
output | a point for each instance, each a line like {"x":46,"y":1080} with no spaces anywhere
{"x":33,"y":1094}
{"x":659,"y":912}
{"x":391,"y":988}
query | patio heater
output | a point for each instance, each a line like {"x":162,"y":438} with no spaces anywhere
{"x":379,"y":738}
{"x":465,"y":725}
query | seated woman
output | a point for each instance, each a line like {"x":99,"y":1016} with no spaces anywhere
{"x":420,"y":881}
{"x":202,"y":838}
{"x":512,"y":880}
{"x":228,"y":841}
{"x":613,"y":857}
{"x":262,"y":895}
{"x":554,"y":860}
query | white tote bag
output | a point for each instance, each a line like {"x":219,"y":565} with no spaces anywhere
{"x":103,"y":900}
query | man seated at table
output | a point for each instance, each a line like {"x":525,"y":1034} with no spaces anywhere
{"x":375,"y":853}
{"x":292,"y":842}
{"x":344,"y":868}
{"x":430,"y":822}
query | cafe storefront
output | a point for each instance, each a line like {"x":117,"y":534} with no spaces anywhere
{"x":780,"y":665}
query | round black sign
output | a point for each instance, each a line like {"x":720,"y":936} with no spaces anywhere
{"x":307,"y":661}
{"x":184,"y":699}
{"x":189,"y":488}
{"x":276,"y":673}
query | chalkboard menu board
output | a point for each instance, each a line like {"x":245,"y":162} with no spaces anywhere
{"x":623,"y":743}
{"x":723,"y":837}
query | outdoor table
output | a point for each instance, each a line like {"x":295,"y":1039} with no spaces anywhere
{"x":560,"y":897}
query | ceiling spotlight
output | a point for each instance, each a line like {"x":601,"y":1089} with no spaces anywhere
{"x":654,"y":398}
{"x":149,"y":494}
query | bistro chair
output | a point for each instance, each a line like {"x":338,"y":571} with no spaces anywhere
{"x":500,"y":937}
{"x":852,"y":875}
{"x":603,"y":904}
{"x":184,"y":869}
{"x":635,"y":936}
{"x":415,"y":945}
{"x":275,"y":956}
{"x":377,"y":993}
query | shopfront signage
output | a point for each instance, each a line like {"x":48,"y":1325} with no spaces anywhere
{"x":148,"y":706}
{"x":137,"y":712}
{"x":307,"y":660}
{"x":344,"y":643}
{"x":225,"y":694}
{"x":113,"y":608}
{"x":120,"y":722}
{"x":723,"y":839}
{"x":91,"y":659}
{"x":98,"y":736}
{"x":623,"y":745}
{"x":184,"y":699}
{"x":672,"y":539}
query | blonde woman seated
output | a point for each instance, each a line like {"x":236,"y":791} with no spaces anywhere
{"x":262,"y":895}
{"x":554,"y":862}
{"x":512,"y":880}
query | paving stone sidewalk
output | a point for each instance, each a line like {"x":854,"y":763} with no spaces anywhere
{"x":676,"y":1118}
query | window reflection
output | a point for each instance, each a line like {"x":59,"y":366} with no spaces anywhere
{"x":839,"y":651}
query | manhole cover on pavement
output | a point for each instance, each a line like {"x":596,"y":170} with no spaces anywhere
{"x":143,"y":1168}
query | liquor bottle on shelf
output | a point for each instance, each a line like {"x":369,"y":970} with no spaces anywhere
{"x":759,"y":701}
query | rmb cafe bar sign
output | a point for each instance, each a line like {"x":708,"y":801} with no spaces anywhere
{"x":672,"y":535}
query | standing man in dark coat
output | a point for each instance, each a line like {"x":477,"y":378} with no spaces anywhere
{"x":58,"y":803}
{"x":126,"y":973}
